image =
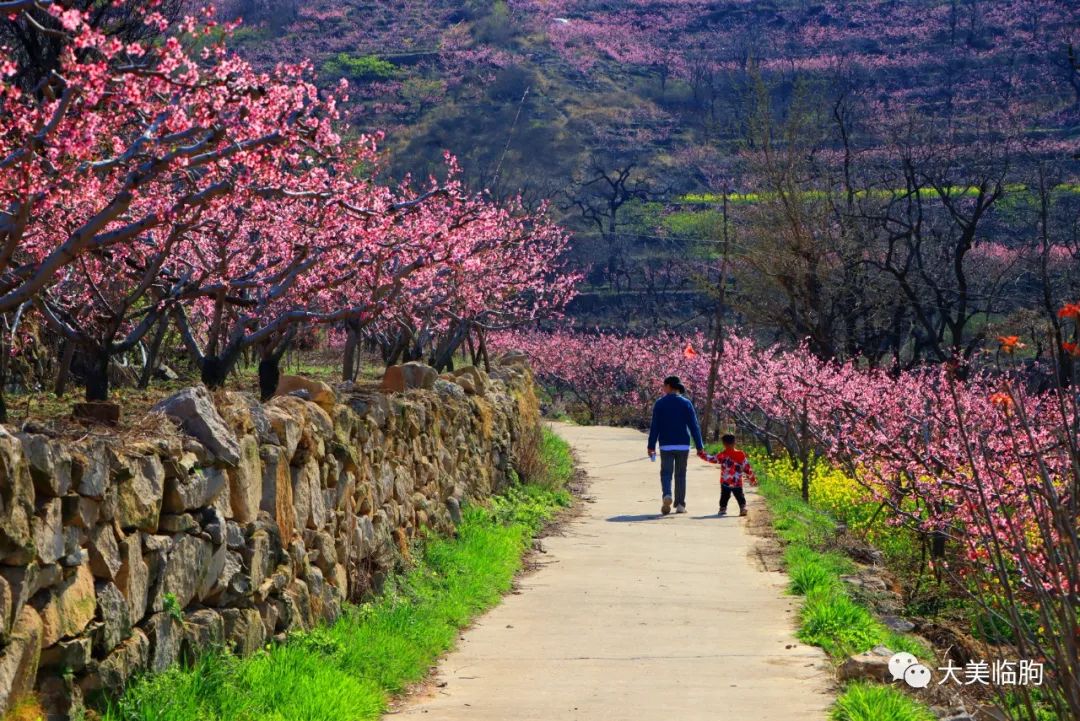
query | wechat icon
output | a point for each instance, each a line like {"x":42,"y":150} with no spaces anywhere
{"x":905,"y":666}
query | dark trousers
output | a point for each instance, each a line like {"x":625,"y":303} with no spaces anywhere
{"x":673,"y":463}
{"x":726,"y":492}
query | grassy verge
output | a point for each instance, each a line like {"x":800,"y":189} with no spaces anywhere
{"x":875,"y":702}
{"x":831,"y":617}
{"x":556,"y":459}
{"x":349,"y":670}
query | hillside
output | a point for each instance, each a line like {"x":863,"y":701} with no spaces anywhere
{"x":657,"y":80}
{"x":634,"y":119}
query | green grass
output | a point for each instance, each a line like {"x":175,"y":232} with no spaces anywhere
{"x":1040,"y":700}
{"x":875,"y":702}
{"x":811,"y":571}
{"x":347,"y":671}
{"x":830,"y":618}
{"x":557,"y":460}
{"x":954,"y":190}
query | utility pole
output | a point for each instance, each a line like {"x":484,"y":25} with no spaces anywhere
{"x":718,"y":338}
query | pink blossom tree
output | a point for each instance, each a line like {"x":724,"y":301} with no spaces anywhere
{"x":503,"y":268}
{"x":117,"y":158}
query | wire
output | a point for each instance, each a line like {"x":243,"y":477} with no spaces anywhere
{"x":623,"y":463}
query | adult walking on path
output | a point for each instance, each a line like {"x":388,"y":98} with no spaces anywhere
{"x":634,"y":616}
{"x":674,"y":425}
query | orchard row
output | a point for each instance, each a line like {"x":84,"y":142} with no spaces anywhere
{"x":163,"y":183}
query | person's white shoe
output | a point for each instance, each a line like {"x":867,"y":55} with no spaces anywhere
{"x":666,"y":508}
{"x":680,"y":508}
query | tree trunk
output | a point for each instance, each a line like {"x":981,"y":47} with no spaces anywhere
{"x":97,"y":376}
{"x":67,"y":354}
{"x":269,"y":376}
{"x":348,"y":363}
{"x":4,"y":353}
{"x":484,"y":352}
{"x":805,"y":479}
{"x":472,"y":348}
{"x":152,"y":353}
{"x":215,"y":370}
{"x":270,"y":366}
{"x":443,"y":355}
{"x":805,"y":452}
{"x":710,"y":390}
{"x":394,"y":353}
{"x":1065,"y":359}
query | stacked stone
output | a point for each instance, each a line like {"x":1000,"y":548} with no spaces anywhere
{"x":233,"y":524}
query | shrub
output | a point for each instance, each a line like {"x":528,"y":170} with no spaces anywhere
{"x":544,"y":459}
{"x":874,"y":702}
{"x":810,"y":577}
{"x":830,"y":619}
{"x":363,"y":67}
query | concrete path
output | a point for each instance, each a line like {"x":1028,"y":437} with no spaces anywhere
{"x":636,"y":617}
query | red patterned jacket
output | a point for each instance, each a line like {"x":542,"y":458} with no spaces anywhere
{"x":734,"y":468}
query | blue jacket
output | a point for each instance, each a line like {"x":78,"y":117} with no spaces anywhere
{"x":673,"y":422}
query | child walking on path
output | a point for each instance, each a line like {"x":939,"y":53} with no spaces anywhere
{"x":734,"y":469}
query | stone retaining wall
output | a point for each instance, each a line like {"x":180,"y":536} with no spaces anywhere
{"x":246,"y":522}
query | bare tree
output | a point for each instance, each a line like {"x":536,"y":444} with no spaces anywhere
{"x":929,"y":217}
{"x":600,"y":195}
{"x":793,"y":254}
